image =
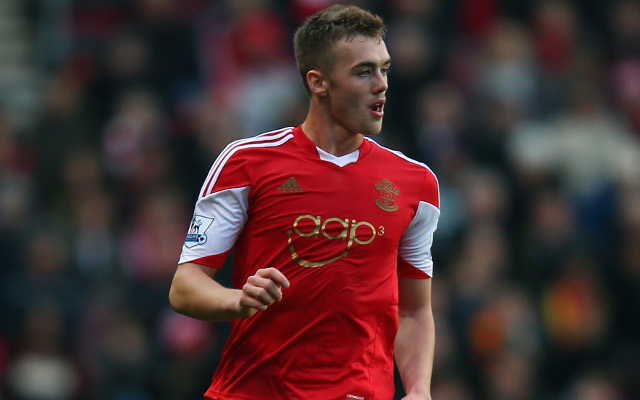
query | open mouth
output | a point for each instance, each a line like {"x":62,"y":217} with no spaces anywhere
{"x":378,"y":107}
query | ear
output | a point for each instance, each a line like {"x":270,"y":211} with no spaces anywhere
{"x":317,"y":82}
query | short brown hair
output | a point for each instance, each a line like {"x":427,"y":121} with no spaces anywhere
{"x":314,"y":40}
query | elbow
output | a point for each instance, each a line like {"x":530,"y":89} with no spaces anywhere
{"x":176,"y":299}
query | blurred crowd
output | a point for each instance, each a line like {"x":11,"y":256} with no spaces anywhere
{"x":528,"y":111}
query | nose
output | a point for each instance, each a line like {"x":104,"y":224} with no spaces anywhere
{"x":380,"y":83}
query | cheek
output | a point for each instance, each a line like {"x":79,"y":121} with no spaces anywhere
{"x":350,"y":115}
{"x":352,"y":102}
{"x":345,"y":105}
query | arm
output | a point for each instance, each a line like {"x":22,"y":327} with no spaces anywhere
{"x":196,"y":294}
{"x":415,"y":340}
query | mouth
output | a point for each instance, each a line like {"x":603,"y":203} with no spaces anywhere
{"x":377,"y":108}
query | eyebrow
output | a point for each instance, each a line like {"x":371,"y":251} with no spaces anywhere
{"x":370,"y":64}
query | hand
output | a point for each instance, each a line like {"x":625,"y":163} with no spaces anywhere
{"x":261,"y":290}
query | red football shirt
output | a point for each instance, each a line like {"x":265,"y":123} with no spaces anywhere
{"x":341,"y":229}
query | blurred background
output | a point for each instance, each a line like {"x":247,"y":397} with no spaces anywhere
{"x":112,"y":111}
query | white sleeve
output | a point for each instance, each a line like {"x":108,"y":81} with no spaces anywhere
{"x":217,"y":222}
{"x":415,"y":245}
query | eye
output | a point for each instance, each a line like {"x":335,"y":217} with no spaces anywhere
{"x":364,"y":72}
{"x":385,"y":70}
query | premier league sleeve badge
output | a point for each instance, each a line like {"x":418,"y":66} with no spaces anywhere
{"x":197,"y":231}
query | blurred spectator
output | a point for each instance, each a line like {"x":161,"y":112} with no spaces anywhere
{"x":125,"y":353}
{"x":481,"y":264}
{"x":623,"y":23}
{"x":94,"y":241}
{"x":587,"y":148}
{"x":507,"y":68}
{"x":511,"y":376}
{"x":43,"y":278}
{"x":135,"y":143}
{"x":148,"y":244}
{"x":251,"y":74}
{"x":593,"y":385}
{"x":451,"y":388}
{"x":415,"y":63}
{"x":43,"y":368}
{"x":440,"y":111}
{"x":67,"y":122}
{"x":556,"y":33}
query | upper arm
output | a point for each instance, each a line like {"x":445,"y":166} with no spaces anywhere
{"x":414,"y":295}
{"x":187,"y":274}
{"x":188,"y":278}
{"x":194,"y":268}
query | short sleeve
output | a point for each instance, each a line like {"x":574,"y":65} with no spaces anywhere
{"x":220,"y":212}
{"x":414,"y":253}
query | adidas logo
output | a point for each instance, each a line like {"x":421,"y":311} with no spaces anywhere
{"x":290,"y":186}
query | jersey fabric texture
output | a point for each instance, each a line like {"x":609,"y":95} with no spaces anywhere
{"x":341,"y":229}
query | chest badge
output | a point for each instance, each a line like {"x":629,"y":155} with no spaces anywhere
{"x":388,"y":193}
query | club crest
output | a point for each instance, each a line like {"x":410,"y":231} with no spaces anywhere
{"x":388,"y":193}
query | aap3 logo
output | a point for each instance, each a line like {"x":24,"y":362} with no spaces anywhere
{"x":346,"y":230}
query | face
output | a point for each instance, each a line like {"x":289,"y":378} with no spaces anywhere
{"x":357,"y":84}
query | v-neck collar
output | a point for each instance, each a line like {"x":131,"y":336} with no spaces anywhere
{"x":340,"y":161}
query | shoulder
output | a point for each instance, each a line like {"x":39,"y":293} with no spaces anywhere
{"x":399,"y":159}
{"x":230,"y":167}
{"x":267,"y":140}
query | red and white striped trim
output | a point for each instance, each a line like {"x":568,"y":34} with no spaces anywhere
{"x":267,"y":139}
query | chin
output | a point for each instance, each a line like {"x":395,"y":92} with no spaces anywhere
{"x":372,"y":130}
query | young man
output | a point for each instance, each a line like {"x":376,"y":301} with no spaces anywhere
{"x":332,"y":237}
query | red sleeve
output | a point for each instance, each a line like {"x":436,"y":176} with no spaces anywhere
{"x":409,"y":271}
{"x":214,"y":261}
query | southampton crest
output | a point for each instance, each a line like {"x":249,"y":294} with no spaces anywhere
{"x":388,"y":193}
{"x":197,"y":229}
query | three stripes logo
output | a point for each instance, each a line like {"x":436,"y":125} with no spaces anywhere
{"x":290,"y":186}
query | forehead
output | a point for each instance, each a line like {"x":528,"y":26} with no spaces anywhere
{"x":357,"y":49}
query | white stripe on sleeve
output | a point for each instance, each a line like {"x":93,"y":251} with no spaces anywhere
{"x":222,"y":216}
{"x":415,"y":245}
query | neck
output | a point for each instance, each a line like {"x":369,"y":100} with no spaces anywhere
{"x":327,"y":134}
